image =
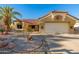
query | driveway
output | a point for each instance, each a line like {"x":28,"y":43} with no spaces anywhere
{"x":68,"y":43}
{"x":71,"y":41}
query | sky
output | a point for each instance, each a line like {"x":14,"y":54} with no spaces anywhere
{"x":35,"y":11}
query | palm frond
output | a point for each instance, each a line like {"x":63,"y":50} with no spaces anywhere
{"x":1,"y":17}
{"x":16,"y":13}
{"x":14,"y":17}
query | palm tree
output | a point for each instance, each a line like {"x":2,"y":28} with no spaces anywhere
{"x":7,"y":14}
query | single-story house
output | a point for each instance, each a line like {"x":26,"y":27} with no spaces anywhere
{"x":26,"y":25}
{"x":54,"y":22}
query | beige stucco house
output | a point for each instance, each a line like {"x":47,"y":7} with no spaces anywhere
{"x":26,"y":25}
{"x":54,"y":22}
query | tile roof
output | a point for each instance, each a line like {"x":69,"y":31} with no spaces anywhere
{"x":58,"y":11}
{"x":30,"y":21}
{"x":55,"y":11}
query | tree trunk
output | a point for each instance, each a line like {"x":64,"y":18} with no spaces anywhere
{"x":7,"y":26}
{"x":7,"y":29}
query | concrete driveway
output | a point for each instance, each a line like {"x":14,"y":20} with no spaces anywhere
{"x":70,"y":41}
{"x":63,"y":43}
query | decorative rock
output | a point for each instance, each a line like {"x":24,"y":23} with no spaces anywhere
{"x":29,"y":37}
{"x":5,"y":33}
{"x":1,"y":33}
{"x":3,"y":44}
{"x":11,"y":45}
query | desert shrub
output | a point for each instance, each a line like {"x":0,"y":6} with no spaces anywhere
{"x":1,"y":30}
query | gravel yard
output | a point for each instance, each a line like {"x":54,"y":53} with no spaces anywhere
{"x":65,"y":43}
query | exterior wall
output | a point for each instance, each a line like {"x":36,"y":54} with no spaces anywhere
{"x":61,"y":14}
{"x":71,"y":23}
{"x":65,"y":19}
{"x":25,"y":27}
{"x":16,"y":26}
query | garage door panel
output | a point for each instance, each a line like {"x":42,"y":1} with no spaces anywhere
{"x":56,"y":28}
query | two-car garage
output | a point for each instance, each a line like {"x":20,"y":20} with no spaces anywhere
{"x":53,"y":28}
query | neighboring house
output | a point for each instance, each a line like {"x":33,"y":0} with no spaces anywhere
{"x":76,"y":26}
{"x":53,"y":23}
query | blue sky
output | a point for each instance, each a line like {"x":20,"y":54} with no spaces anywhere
{"x":34,"y":11}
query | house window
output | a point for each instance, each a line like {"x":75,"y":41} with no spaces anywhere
{"x":33,"y":27}
{"x":19,"y":26}
{"x":58,"y":17}
{"x":37,"y":28}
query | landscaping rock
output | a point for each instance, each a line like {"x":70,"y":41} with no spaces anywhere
{"x":11,"y":45}
{"x":3,"y":44}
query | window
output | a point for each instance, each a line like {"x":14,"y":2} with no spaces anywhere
{"x":37,"y":28}
{"x":19,"y":26}
{"x":58,"y":17}
{"x":33,"y":27}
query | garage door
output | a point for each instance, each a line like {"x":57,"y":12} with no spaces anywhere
{"x":53,"y":28}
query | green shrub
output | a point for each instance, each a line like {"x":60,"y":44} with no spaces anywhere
{"x":30,"y":30}
{"x":1,"y":30}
